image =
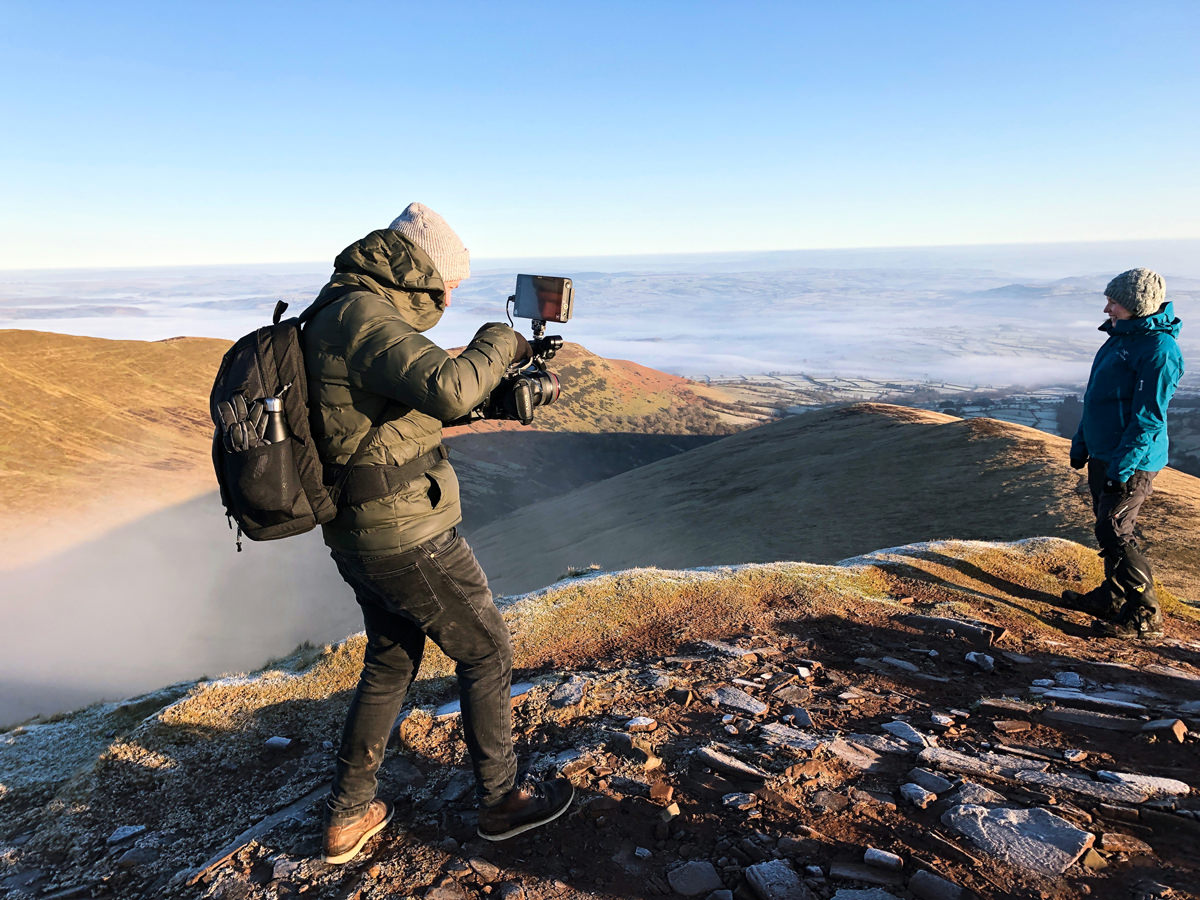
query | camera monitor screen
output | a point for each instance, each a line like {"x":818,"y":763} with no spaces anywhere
{"x":543,"y":297}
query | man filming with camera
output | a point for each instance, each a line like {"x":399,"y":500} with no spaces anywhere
{"x":381,"y":392}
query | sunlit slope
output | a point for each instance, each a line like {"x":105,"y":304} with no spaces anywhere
{"x":95,"y":433}
{"x":828,"y":485}
{"x":97,"y":427}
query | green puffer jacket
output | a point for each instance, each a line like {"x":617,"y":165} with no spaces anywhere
{"x":364,"y":352}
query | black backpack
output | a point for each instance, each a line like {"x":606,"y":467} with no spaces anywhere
{"x":271,"y":478}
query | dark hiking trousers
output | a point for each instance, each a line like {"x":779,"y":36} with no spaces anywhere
{"x":1116,"y":516}
{"x":437,"y":590}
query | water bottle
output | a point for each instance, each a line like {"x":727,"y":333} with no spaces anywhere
{"x":276,"y":428}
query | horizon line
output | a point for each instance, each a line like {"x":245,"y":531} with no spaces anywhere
{"x":601,"y":256}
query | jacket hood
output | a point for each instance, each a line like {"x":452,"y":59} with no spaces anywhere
{"x":1163,"y":321}
{"x":387,"y":263}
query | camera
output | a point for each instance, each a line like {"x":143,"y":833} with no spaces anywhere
{"x":529,"y":384}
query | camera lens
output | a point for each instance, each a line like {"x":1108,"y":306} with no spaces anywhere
{"x":544,"y":387}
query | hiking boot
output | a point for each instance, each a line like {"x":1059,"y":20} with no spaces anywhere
{"x":343,"y":842}
{"x":1140,"y":617}
{"x":1144,"y":623}
{"x":526,"y":806}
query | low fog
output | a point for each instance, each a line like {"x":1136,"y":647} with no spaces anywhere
{"x":167,"y":599}
{"x":999,"y":316}
{"x":164,"y":599}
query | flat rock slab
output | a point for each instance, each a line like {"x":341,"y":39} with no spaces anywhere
{"x":734,"y":698}
{"x":722,"y":762}
{"x":1153,"y":786}
{"x":1084,"y":787}
{"x":977,"y":794}
{"x":775,"y":879}
{"x":1090,"y":701}
{"x":881,"y":744}
{"x":931,"y":781}
{"x":729,"y":650}
{"x":906,"y":733}
{"x":570,"y":693}
{"x":860,"y":757}
{"x":1089,"y":719}
{"x":863,"y":894}
{"x":1113,"y":842}
{"x":1029,"y":839}
{"x":790,"y":738}
{"x":695,"y":878}
{"x":986,"y":765}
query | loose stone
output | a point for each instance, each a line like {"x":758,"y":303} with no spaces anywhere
{"x":694,"y":878}
{"x":1173,"y":729}
{"x":927,"y":886}
{"x":931,"y":781}
{"x":739,"y":700}
{"x":882,"y":859}
{"x":907,"y":733}
{"x":917,"y":795}
{"x":729,"y":765}
{"x":776,"y":880}
{"x":981,"y":661}
{"x":1112,"y":842}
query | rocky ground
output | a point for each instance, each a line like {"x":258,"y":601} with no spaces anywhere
{"x":914,"y":746}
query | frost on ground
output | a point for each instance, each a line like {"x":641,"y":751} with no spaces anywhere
{"x":732,"y":722}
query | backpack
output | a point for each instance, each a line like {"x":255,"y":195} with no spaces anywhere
{"x":271,"y":478}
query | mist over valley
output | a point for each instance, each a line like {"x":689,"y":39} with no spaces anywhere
{"x":112,"y":527}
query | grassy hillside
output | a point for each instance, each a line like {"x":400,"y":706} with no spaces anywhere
{"x":96,"y":433}
{"x":827,"y":485}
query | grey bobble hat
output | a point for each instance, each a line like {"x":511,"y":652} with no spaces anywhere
{"x":429,"y":231}
{"x":1140,"y":291}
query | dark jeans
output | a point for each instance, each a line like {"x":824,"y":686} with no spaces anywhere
{"x":436,"y":590}
{"x":1116,"y":516}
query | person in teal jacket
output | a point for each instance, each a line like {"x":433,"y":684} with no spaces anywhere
{"x":1122,"y":440}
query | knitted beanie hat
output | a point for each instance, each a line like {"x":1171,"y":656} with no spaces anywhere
{"x":429,"y":231}
{"x":1140,"y":291}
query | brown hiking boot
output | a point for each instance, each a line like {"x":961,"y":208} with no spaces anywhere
{"x":526,"y":806}
{"x":343,"y":842}
{"x":1145,"y":624}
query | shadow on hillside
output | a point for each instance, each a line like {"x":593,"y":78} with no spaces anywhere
{"x":1002,"y":592}
{"x":501,"y":471}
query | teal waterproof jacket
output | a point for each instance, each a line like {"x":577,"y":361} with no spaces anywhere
{"x":1133,"y":379}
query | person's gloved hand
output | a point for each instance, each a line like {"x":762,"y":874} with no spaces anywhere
{"x":1078,"y":462}
{"x":524,"y":351}
{"x":1119,"y":488}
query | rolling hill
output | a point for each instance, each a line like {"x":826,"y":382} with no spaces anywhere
{"x":97,"y":433}
{"x":831,"y":484}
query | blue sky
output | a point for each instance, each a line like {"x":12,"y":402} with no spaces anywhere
{"x":190,"y":133}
